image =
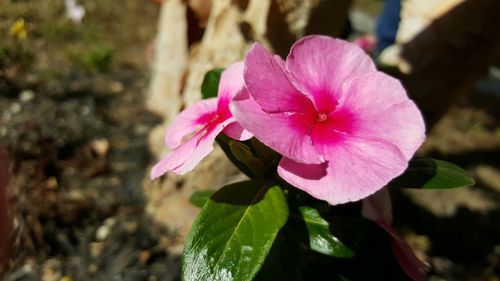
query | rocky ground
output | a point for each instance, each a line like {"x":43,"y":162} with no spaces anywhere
{"x":74,"y":124}
{"x":76,"y":130}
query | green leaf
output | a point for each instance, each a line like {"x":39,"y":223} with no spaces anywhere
{"x":210,"y":84}
{"x":234,"y":232}
{"x":244,"y":155}
{"x":427,"y":173}
{"x":266,"y":154}
{"x":374,"y":258}
{"x":224,"y":143}
{"x":282,"y":263}
{"x":199,"y":198}
{"x":252,"y":157}
{"x":321,"y":238}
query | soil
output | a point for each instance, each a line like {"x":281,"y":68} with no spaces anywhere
{"x":75,"y":127}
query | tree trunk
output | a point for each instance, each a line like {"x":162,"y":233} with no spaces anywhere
{"x":451,"y":54}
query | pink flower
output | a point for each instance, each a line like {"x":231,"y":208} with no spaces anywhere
{"x":344,"y":129}
{"x":366,"y":42}
{"x":378,"y":208}
{"x":192,"y":134}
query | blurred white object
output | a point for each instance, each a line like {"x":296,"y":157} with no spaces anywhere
{"x":74,"y":11}
{"x":416,"y":15}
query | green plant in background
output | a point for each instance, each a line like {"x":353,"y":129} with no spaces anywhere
{"x":97,"y":59}
{"x":15,"y":52}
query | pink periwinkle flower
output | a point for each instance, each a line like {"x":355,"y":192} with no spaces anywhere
{"x":366,"y":42}
{"x":378,"y":208}
{"x":344,"y":129}
{"x":192,"y":134}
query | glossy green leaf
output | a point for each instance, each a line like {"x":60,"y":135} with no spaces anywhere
{"x":427,"y":173}
{"x":321,"y":238}
{"x":210,"y":84}
{"x":199,"y":198}
{"x":234,"y":232}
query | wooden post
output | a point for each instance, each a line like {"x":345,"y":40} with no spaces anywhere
{"x":451,"y":54}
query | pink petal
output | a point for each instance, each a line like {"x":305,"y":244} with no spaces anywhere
{"x":378,"y":208}
{"x":205,"y":119}
{"x":287,"y":133}
{"x":268,"y":83}
{"x":410,"y":264}
{"x":381,"y":109}
{"x":185,"y":157}
{"x":189,"y":121}
{"x":319,"y":66}
{"x":175,"y":159}
{"x":230,"y":84}
{"x":236,"y":132}
{"x":366,"y":42}
{"x":357,"y":167}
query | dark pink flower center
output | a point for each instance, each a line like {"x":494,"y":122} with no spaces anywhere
{"x":321,"y":116}
{"x":208,"y":122}
{"x":329,"y":122}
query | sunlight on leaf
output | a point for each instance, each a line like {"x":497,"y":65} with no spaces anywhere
{"x":321,"y":238}
{"x":199,"y":198}
{"x":427,"y":173}
{"x":234,"y":232}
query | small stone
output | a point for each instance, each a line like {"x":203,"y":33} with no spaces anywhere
{"x":104,"y":230}
{"x":3,"y":131}
{"x":130,"y":227}
{"x":100,"y":147}
{"x":116,"y":87}
{"x":144,"y":256}
{"x":15,"y":108}
{"x":85,"y":110}
{"x":96,"y":248}
{"x":92,"y":268}
{"x":51,"y":270}
{"x":51,"y":183}
{"x":26,"y":96}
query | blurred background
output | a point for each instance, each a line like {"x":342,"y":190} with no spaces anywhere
{"x":87,"y":88}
